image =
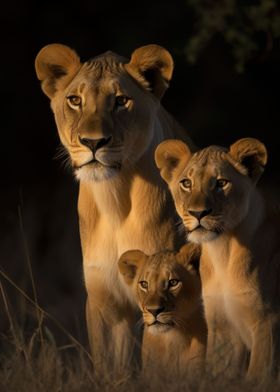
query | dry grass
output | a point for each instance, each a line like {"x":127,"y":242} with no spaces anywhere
{"x":34,"y":362}
{"x":28,"y":367}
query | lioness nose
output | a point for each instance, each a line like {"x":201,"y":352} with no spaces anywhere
{"x":200,"y":214}
{"x":155,"y":311}
{"x":94,"y":144}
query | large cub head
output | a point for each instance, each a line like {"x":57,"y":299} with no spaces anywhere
{"x":166,"y":285}
{"x":212,"y":187}
{"x":104,"y":108}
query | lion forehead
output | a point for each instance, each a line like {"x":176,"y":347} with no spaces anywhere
{"x":98,"y":71}
{"x":159,"y":267}
{"x":104,"y":65}
{"x":211,"y":161}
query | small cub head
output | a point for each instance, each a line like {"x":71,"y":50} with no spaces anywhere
{"x":212,"y":187}
{"x":166,"y":285}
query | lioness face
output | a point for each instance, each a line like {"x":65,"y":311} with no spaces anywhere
{"x":166,"y":285}
{"x":105,"y":120}
{"x":105,"y":109}
{"x":212,"y":187}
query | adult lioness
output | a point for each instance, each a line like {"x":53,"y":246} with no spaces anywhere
{"x":110,"y":119}
{"x":167,"y":289}
{"x":215,"y":195}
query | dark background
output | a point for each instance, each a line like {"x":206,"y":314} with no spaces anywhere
{"x":38,"y":218}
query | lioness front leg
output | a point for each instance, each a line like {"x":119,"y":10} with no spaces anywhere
{"x":112,"y":337}
{"x":261,"y":358}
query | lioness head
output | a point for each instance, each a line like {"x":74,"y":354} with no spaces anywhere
{"x":104,"y":108}
{"x":166,"y":285}
{"x":212,"y":187}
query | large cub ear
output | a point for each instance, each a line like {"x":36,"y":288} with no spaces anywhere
{"x":152,"y":66}
{"x":251,"y":154}
{"x":128,"y":264}
{"x":189,"y":257}
{"x":56,"y":65}
{"x":169,"y":155}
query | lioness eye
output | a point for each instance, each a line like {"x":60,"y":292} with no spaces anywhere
{"x":144,"y":284}
{"x":221,"y":183}
{"x":121,"y":100}
{"x":186,"y":184}
{"x":74,"y":100}
{"x":173,"y":282}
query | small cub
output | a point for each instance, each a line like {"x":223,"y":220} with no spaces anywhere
{"x":167,"y":289}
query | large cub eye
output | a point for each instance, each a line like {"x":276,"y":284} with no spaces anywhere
{"x":186,"y":184}
{"x":74,"y":101}
{"x":173,"y":282}
{"x":143,"y":284}
{"x":121,"y":100}
{"x":221,"y":183}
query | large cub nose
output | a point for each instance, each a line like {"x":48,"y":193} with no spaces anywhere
{"x":200,"y":213}
{"x":95,"y":144}
{"x":156,"y":311}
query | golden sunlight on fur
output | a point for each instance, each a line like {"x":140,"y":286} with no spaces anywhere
{"x":215,"y":194}
{"x":110,"y":120}
{"x":167,"y":288}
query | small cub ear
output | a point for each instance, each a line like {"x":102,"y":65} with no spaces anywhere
{"x":189,"y":256}
{"x":129,"y":263}
{"x":169,"y":154}
{"x":152,"y":64}
{"x":53,"y":63}
{"x":252,"y":154}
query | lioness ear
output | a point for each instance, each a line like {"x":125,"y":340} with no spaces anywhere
{"x":152,"y":64}
{"x":55,"y":64}
{"x":189,"y":256}
{"x":252,"y":154}
{"x":169,"y":154}
{"x":129,"y":263}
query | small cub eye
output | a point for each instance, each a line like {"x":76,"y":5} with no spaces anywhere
{"x":173,"y":282}
{"x":143,"y":284}
{"x":221,"y":183}
{"x":74,"y":100}
{"x":121,"y":100}
{"x":186,"y":184}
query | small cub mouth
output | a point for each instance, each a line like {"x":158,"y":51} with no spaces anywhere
{"x":202,"y":229}
{"x":158,"y":327}
{"x":198,"y":228}
{"x":159,"y":323}
{"x":87,"y":163}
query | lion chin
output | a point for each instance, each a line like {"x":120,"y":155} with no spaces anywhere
{"x":201,"y":234}
{"x":96,"y":172}
{"x":158,"y":328}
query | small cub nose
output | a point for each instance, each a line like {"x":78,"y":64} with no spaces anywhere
{"x":94,"y":144}
{"x":200,"y":214}
{"x":155,"y":311}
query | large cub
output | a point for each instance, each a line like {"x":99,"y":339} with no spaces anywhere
{"x":216,"y":196}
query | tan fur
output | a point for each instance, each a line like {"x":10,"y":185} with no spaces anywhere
{"x":239,"y":233}
{"x":175,"y":338}
{"x":123,"y":202}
